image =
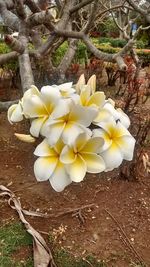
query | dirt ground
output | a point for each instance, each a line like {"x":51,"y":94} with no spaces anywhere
{"x":116,"y":228}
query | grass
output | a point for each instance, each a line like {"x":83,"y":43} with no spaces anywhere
{"x":13,"y":237}
{"x":64,"y":259}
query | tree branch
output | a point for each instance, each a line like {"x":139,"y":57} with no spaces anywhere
{"x":137,"y":7}
{"x":15,"y":44}
{"x":67,"y":59}
{"x":91,"y":17}
{"x":36,"y":39}
{"x":62,"y":24}
{"x":9,"y":18}
{"x":43,"y":17}
{"x":24,"y":60}
{"x":45,"y":47}
{"x":33,"y":6}
{"x":96,"y":52}
{"x":80,"y":5}
{"x":111,"y":9}
{"x":4,"y":58}
{"x":59,"y":5}
{"x":19,"y":5}
{"x":5,"y":105}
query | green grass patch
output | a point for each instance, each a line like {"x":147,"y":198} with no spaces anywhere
{"x":12,"y":237}
{"x":64,"y":259}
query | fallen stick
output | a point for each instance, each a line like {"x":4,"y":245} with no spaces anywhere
{"x":41,"y":252}
{"x":69,"y":211}
{"x":126,"y":239}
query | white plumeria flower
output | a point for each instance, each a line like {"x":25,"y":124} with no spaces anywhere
{"x":96,"y":99}
{"x":38,"y":106}
{"x":118,"y":143}
{"x":123,"y":118}
{"x":15,"y":113}
{"x":66,"y":89}
{"x":81,"y":84}
{"x":92,"y":83}
{"x":69,"y":120}
{"x":117,"y":114}
{"x":90,"y":98}
{"x":49,"y":167}
{"x":81,"y":157}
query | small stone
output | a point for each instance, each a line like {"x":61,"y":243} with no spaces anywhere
{"x":95,"y":236}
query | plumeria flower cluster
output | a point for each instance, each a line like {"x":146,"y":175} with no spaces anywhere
{"x":82,"y":131}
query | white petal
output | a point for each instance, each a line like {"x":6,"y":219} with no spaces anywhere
{"x":62,"y":109}
{"x":84,"y":96}
{"x":66,"y":89}
{"x":120,"y":130}
{"x":65,"y":86}
{"x":92,"y":83}
{"x":45,"y":127}
{"x":124,"y":119}
{"x":33,"y":90}
{"x":15,"y":113}
{"x":93,"y":145}
{"x":44,"y":167}
{"x":44,"y":149}
{"x":77,"y":170}
{"x":109,"y":126}
{"x":82,"y":115}
{"x":67,"y":155}
{"x":80,"y":83}
{"x":36,"y":126}
{"x":54,"y":132}
{"x":75,"y":98}
{"x":112,"y":110}
{"x":112,"y":102}
{"x":118,"y":114}
{"x":25,"y":137}
{"x":103,"y":116}
{"x":60,"y":179}
{"x":85,"y":130}
{"x":113,"y":157}
{"x":126,"y":145}
{"x":34,"y":107}
{"x":59,"y":146}
{"x":97,"y":99}
{"x":95,"y":163}
{"x":51,"y":94}
{"x":80,"y":141}
{"x":70,"y":133}
{"x":102,"y":134}
{"x":50,"y":98}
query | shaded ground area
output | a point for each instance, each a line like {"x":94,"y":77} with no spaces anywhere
{"x":115,"y":229}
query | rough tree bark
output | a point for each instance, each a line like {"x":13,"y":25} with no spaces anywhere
{"x":28,"y":23}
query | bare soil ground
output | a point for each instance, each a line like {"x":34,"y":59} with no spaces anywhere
{"x":116,"y":228}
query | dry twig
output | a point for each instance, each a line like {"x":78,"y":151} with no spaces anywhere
{"x":42,"y":253}
{"x":69,"y":211}
{"x":126,"y":239}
